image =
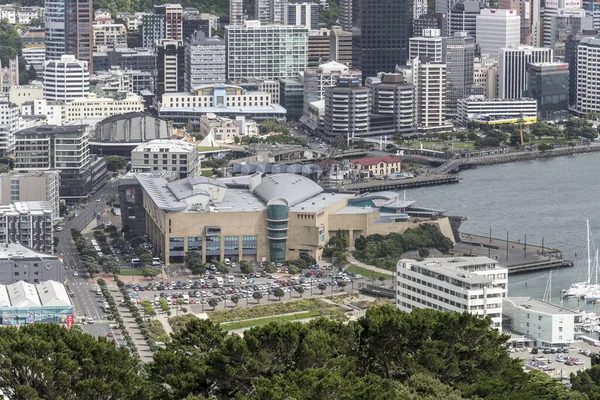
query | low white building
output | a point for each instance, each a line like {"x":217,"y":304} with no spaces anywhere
{"x":546,"y":324}
{"x":495,"y":111}
{"x":473,"y":284}
{"x":53,"y":110}
{"x":34,"y":55}
{"x":25,"y":93}
{"x":94,"y":107}
{"x":166,"y":155}
{"x":8,"y":13}
{"x":224,"y":130}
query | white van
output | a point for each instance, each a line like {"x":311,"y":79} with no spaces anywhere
{"x":227,"y":261}
{"x":156,"y":262}
{"x":230,"y":279}
{"x":186,"y":299}
{"x":219,"y":281}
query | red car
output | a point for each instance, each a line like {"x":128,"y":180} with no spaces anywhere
{"x":192,"y":301}
{"x":110,"y":334}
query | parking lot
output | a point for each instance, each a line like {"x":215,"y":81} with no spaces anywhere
{"x":559,"y":363}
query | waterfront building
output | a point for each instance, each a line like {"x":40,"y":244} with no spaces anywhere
{"x":548,"y":325}
{"x":548,"y":83}
{"x":347,"y":110}
{"x":429,"y":45}
{"x":497,"y":29}
{"x":27,"y":223}
{"x":429,"y":79}
{"x":32,"y":186}
{"x":375,"y":166}
{"x":21,"y":263}
{"x":204,"y":61}
{"x":23,"y":303}
{"x":378,"y":20}
{"x":512,"y":68}
{"x":66,"y":79}
{"x":265,"y":51}
{"x":571,"y":44}
{"x":588,"y":56}
{"x":495,"y":111}
{"x":473,"y":284}
{"x":392,"y":106}
{"x":459,"y":57}
{"x":166,"y":155}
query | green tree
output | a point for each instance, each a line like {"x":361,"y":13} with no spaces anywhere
{"x":150,"y":272}
{"x":164,"y":306}
{"x":381,"y":279}
{"x":257,"y":296}
{"x":300,"y":290}
{"x":45,"y":361}
{"x":322,"y":287}
{"x":235,"y":299}
{"x":115,"y":163}
{"x":341,"y":285}
{"x":246,"y":267}
{"x":92,"y":267}
{"x":110,"y":265}
{"x":278,"y":292}
{"x":544,"y":147}
{"x":193,"y":261}
{"x":293,"y":270}
{"x":267,"y":126}
{"x":270,"y":268}
{"x":423,"y":252}
{"x":213,"y":303}
{"x":221,"y":268}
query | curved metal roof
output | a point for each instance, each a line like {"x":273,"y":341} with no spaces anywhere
{"x":293,"y":188}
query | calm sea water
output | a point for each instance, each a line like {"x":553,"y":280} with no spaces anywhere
{"x":549,"y":198}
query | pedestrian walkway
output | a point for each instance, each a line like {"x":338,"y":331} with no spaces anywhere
{"x":353,"y":260}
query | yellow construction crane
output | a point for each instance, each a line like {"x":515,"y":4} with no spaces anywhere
{"x":521,"y":133}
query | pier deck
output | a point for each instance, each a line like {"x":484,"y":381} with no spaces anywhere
{"x":374,"y":185}
{"x":518,"y":259}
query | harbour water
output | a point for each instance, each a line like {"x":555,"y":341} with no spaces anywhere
{"x":547,"y":198}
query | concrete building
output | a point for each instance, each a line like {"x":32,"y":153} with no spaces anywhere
{"x":265,"y":51}
{"x":20,"y":263}
{"x":392,"y":106}
{"x":33,"y":186}
{"x":79,"y":34}
{"x":301,"y":14}
{"x":166,"y":155}
{"x":462,"y":17}
{"x":340,"y":46}
{"x":429,"y":45}
{"x":274,"y":218}
{"x":35,"y":56}
{"x":485,"y":77}
{"x":25,"y":93}
{"x":55,"y":29}
{"x":173,"y":20}
{"x":107,"y":34}
{"x":26,"y":14}
{"x":384,"y":34}
{"x":226,"y":130}
{"x":548,"y":83}
{"x":497,"y":29}
{"x":587,"y":93}
{"x":523,"y":9}
{"x":94,"y":107}
{"x":316,"y":80}
{"x":319,"y":46}
{"x":346,"y":15}
{"x":347,"y":110}
{"x":548,"y":325}
{"x":271,"y":87}
{"x":28,"y":223}
{"x":54,"y":111}
{"x":291,"y":97}
{"x":66,"y":79}
{"x":512,"y":68}
{"x":375,"y":166}
{"x":419,"y":8}
{"x":459,"y":57}
{"x":236,"y":12}
{"x":495,"y":111}
{"x":23,"y":303}
{"x":153,"y":29}
{"x":204,"y":61}
{"x":62,"y":148}
{"x":120,"y":134}
{"x":215,"y":96}
{"x":10,"y":122}
{"x":473,"y":284}
{"x":425,"y":22}
{"x":429,"y":80}
{"x":170,"y":67}
{"x":571,"y":44}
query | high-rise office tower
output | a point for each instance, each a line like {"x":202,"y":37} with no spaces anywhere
{"x":173,"y":20}
{"x":429,"y":45}
{"x":523,"y":9}
{"x":419,"y":8}
{"x":262,"y":11}
{"x":236,"y":12}
{"x":170,"y":67}
{"x":347,"y":110}
{"x":429,"y":80}
{"x":55,"y":29}
{"x":153,"y":29}
{"x":318,"y":46}
{"x":588,"y":91}
{"x":79,"y":33}
{"x":301,"y":14}
{"x":512,"y":68}
{"x":548,"y":83}
{"x":340,"y":46}
{"x":459,"y":56}
{"x":384,"y":32}
{"x":66,"y":79}
{"x":345,"y":15}
{"x":560,"y":19}
{"x":463,"y":18}
{"x":497,"y":29}
{"x":536,"y":25}
{"x":571,"y":45}
{"x":204,"y":61}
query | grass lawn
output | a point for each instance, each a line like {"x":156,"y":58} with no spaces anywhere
{"x":440,"y":145}
{"x":208,"y":148}
{"x":157,"y":331}
{"x":264,"y":321}
{"x":131,"y":272}
{"x":367,"y":273}
{"x":463,"y":145}
{"x":273,"y":309}
{"x":207,"y":172}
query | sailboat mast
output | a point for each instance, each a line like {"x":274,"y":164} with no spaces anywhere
{"x":589,"y":259}
{"x":596,"y":266}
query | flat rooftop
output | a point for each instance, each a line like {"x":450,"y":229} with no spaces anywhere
{"x":16,"y":251}
{"x":539,"y":306}
{"x":457,"y":267}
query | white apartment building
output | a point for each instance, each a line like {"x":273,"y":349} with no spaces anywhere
{"x":271,"y":87}
{"x":25,"y":93}
{"x":217,"y":95}
{"x":236,"y":12}
{"x":66,"y":79}
{"x":588,"y":91}
{"x":429,"y":80}
{"x":53,"y":110}
{"x":347,"y":108}
{"x":10,"y":122}
{"x":265,"y":51}
{"x":473,"y":284}
{"x":26,"y":14}
{"x":547,"y":324}
{"x":479,"y":109}
{"x":8,"y":13}
{"x":28,"y":223}
{"x":34,"y":55}
{"x":497,"y":29}
{"x":204,"y":61}
{"x":94,"y":107}
{"x":301,"y":14}
{"x":429,"y":45}
{"x":512,"y":68}
{"x":166,"y":155}
{"x":33,"y":186}
{"x":219,"y":130}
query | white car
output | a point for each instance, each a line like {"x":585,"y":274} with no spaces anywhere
{"x":75,"y":273}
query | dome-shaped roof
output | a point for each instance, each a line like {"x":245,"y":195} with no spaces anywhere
{"x":291,"y":187}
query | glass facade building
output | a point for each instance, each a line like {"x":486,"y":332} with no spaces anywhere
{"x":548,"y":84}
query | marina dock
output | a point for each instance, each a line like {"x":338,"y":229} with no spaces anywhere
{"x":374,"y":185}
{"x":517,"y":256}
